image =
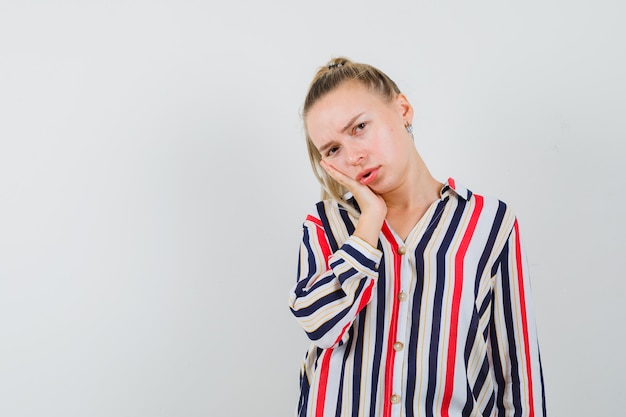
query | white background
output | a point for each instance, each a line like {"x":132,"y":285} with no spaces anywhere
{"x":153,"y":182}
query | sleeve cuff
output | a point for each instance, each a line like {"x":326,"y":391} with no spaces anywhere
{"x":356,"y":257}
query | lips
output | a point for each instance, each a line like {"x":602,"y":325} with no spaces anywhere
{"x":366,"y":176}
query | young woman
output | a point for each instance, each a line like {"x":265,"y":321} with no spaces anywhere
{"x":414,"y":293}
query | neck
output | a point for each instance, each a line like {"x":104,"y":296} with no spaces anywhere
{"x":418,"y":188}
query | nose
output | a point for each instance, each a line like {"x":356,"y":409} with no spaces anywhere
{"x":356,"y":156}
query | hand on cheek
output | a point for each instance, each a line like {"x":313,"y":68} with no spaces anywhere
{"x":338,"y":176}
{"x":372,"y":205}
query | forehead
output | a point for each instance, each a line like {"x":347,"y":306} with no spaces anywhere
{"x":347,"y":93}
{"x":333,"y":110}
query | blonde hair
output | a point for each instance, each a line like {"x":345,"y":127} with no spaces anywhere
{"x":328,"y":78}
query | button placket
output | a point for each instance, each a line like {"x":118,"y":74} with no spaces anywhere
{"x":398,"y":345}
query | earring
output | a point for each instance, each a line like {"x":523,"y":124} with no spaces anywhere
{"x":409,"y":128}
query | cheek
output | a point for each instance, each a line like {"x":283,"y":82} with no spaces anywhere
{"x":395,"y":141}
{"x":384,"y":148}
{"x":349,"y":170}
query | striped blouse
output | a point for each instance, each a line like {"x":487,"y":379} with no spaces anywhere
{"x":441,"y":324}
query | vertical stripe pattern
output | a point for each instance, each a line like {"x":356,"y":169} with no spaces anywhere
{"x":440,"y":324}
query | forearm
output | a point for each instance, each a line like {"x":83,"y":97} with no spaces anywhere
{"x":326,"y":301}
{"x":369,"y":227}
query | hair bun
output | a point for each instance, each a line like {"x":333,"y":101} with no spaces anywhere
{"x":337,"y":62}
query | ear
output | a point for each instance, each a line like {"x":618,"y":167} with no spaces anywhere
{"x":405,"y":108}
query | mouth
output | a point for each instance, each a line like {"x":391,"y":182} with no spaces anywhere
{"x":367,"y":175}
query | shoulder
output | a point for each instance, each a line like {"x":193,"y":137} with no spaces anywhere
{"x":325,"y":210}
{"x":489,"y":208}
{"x":329,"y":217}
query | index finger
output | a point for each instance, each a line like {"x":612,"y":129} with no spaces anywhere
{"x":337,"y":175}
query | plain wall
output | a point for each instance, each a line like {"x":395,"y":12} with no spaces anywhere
{"x":153,"y":183}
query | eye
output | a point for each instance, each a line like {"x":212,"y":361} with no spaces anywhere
{"x":331,"y":151}
{"x":358,"y":128}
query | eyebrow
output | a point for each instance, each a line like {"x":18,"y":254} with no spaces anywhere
{"x":343,"y":130}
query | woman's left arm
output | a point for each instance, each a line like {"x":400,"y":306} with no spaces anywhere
{"x":514,"y":345}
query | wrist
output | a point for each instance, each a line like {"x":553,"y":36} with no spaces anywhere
{"x":368,"y":228}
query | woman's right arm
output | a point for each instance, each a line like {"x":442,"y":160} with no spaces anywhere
{"x":332,"y":288}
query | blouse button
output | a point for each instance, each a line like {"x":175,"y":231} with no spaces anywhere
{"x":401,"y":250}
{"x":398,"y":346}
{"x":395,"y":399}
{"x":402,"y":296}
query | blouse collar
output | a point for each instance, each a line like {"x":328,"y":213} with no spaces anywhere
{"x":452,"y":186}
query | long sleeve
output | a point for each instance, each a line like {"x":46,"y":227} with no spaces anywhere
{"x":514,"y":346}
{"x":332,"y":287}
